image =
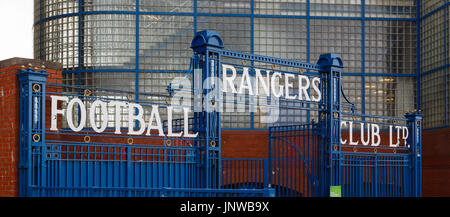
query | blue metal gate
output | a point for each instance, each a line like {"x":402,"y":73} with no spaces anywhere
{"x":357,"y":169}
{"x":305,"y":156}
{"x":294,"y":155}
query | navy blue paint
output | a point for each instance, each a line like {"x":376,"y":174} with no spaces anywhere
{"x":137,"y":58}
{"x":80,"y":39}
{"x":446,"y":62}
{"x":32,"y":124}
{"x":418,"y":76}
{"x":195,"y":16}
{"x":252,"y":51}
{"x":308,"y":44}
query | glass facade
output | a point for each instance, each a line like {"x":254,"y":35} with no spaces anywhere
{"x":434,"y":63}
{"x":141,"y":45}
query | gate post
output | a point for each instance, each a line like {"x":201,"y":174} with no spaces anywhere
{"x":208,"y":45}
{"x":32,"y":127}
{"x":329,"y":122}
{"x":414,"y":124}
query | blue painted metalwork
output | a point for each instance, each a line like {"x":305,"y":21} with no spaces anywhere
{"x":295,"y":160}
{"x":206,"y":44}
{"x":304,"y":159}
{"x":418,"y":75}
{"x":32,"y":151}
{"x":363,"y":57}
{"x":329,"y":118}
{"x":414,"y":123}
{"x":446,"y":62}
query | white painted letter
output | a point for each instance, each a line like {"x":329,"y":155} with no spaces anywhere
{"x":264,"y":84}
{"x":280,"y":92}
{"x":228,"y":80}
{"x":316,"y":88}
{"x":288,"y":85}
{"x":405,"y":134}
{"x":390,"y":137}
{"x":362,"y":134}
{"x":186,"y":125}
{"x":132,"y":118}
{"x":117,"y":123}
{"x":82,"y":113}
{"x":343,"y":123}
{"x":248,"y":85}
{"x":375,"y":133}
{"x":351,"y":134}
{"x":104,"y":114}
{"x":303,"y":90}
{"x":155,"y":115}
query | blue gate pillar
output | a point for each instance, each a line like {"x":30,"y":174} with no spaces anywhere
{"x":208,"y":45}
{"x":32,"y":125}
{"x":329,"y":122}
{"x":414,"y":124}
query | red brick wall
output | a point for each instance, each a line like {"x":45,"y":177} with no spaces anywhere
{"x":9,"y":120}
{"x":245,"y":144}
{"x":436,"y":163}
{"x":9,"y":131}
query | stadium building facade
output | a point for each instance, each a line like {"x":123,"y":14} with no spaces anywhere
{"x":142,"y":45}
{"x":392,"y":48}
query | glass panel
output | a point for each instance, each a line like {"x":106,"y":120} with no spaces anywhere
{"x":282,"y":38}
{"x":224,"y":6}
{"x":391,"y":8}
{"x":352,"y":90}
{"x":389,"y":96}
{"x":282,"y":7}
{"x":58,"y":41}
{"x":164,"y":42}
{"x":49,"y":8}
{"x":335,"y":8}
{"x":432,"y":41}
{"x":433,"y":98}
{"x":390,"y":47}
{"x":110,"y":41}
{"x":167,"y":5}
{"x":429,"y":5}
{"x":109,"y":5}
{"x":343,"y":37}
{"x":235,"y":31}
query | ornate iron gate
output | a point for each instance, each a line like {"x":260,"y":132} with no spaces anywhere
{"x":305,"y":157}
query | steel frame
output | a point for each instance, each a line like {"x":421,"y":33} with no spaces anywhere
{"x":252,"y":15}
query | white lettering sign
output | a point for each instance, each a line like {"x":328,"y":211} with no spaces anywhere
{"x":370,"y":134}
{"x":270,"y":84}
{"x":135,"y":115}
